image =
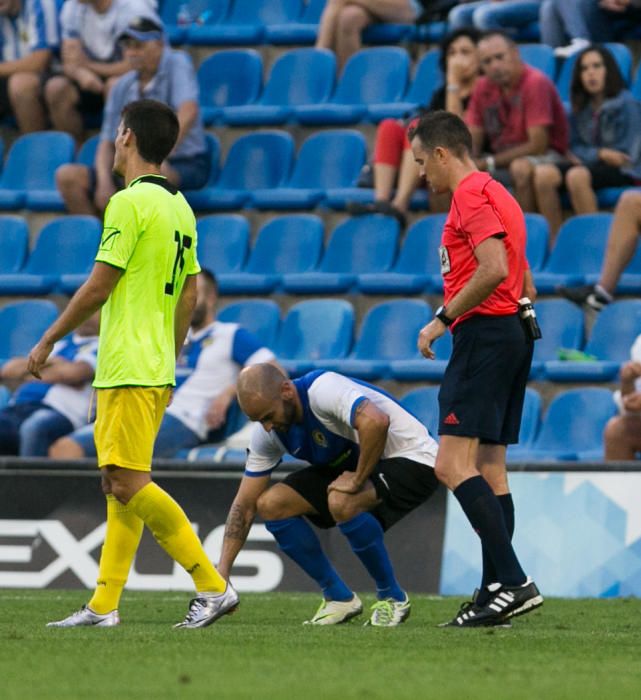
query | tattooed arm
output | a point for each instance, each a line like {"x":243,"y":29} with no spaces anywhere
{"x":239,"y":520}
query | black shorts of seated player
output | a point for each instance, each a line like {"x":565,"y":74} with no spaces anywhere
{"x":484,"y":385}
{"x":401,"y":484}
{"x":155,"y":126}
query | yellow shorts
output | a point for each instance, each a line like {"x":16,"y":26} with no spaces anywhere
{"x":127,"y":422}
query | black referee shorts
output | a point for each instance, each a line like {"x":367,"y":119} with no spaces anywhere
{"x":400,"y":483}
{"x":484,"y":384}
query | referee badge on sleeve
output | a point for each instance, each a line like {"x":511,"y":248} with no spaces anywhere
{"x":444,"y":257}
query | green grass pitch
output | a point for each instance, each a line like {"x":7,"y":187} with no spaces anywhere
{"x":574,"y":649}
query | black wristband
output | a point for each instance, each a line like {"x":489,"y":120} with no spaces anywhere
{"x":441,"y":314}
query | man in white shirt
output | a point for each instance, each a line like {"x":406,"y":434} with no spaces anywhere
{"x":371,"y":464}
{"x":206,"y":373}
{"x":40,"y":412}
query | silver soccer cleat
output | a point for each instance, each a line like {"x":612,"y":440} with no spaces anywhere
{"x":86,"y":617}
{"x":389,"y":612}
{"x":207,"y":608}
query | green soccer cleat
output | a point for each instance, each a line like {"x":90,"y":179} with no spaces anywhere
{"x":389,"y":612}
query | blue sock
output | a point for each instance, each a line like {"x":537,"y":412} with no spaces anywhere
{"x":365,"y":536}
{"x":485,"y":514}
{"x":489,"y":572}
{"x":297,"y":539}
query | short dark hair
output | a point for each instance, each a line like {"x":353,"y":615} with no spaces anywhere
{"x":488,"y":34}
{"x":441,"y":128}
{"x":210,"y":277}
{"x":614,"y":82}
{"x":470,"y":32}
{"x":155,"y":126}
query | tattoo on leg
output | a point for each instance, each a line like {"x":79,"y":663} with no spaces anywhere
{"x":237,"y":525}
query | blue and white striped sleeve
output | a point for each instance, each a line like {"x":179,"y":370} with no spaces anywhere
{"x":335,"y":396}
{"x":43,"y":22}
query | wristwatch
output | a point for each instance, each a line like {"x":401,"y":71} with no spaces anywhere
{"x":441,"y":314}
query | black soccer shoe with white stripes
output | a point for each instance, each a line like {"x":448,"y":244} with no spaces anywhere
{"x":506,"y":602}
{"x":470,"y":608}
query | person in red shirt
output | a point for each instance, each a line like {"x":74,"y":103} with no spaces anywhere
{"x":516,"y":113}
{"x":485,"y":273}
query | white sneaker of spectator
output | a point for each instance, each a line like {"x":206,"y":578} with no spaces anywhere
{"x":573,"y":47}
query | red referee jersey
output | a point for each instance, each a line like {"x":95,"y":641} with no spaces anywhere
{"x":482,"y":207}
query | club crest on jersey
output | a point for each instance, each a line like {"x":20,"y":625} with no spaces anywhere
{"x":444,"y":257}
{"x":319,"y":438}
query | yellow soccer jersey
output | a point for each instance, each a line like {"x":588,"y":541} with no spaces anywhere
{"x":150,"y":233}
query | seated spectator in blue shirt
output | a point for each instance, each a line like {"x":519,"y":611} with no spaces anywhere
{"x":605,"y":143}
{"x":160,"y":73}
{"x":92,"y":60}
{"x":206,"y":373}
{"x":28,"y":39}
{"x":42,"y":411}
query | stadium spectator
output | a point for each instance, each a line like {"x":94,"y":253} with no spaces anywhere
{"x":343,"y":21}
{"x":393,"y":160}
{"x":28,"y":40}
{"x":92,"y":60}
{"x":144,"y":278}
{"x":486,"y":15}
{"x":41,"y":412}
{"x":157,"y":72}
{"x":516,"y":112}
{"x":481,"y":397}
{"x":371,"y":465}
{"x":623,"y":239}
{"x":565,"y":25}
{"x":605,"y":149}
{"x":587,"y":21}
{"x":213,"y":354}
{"x":622,"y":435}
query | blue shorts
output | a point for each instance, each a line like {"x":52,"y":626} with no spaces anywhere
{"x":483,"y":389}
{"x":173,"y":436}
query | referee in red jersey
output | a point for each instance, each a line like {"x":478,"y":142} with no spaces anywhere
{"x":485,"y":273}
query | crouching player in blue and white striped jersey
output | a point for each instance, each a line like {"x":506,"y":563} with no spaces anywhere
{"x":371,"y":464}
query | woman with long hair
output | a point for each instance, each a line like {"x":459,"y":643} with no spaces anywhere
{"x":605,"y":140}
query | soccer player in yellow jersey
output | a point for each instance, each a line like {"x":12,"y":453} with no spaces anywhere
{"x":144,"y":279}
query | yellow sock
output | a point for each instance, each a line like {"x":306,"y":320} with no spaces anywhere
{"x":124,"y":529}
{"x":174,"y":533}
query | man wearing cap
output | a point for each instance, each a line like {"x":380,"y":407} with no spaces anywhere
{"x":156,"y":72}
{"x":92,"y":60}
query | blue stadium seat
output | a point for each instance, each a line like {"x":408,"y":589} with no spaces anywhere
{"x":259,"y":316}
{"x":327,"y":161}
{"x":388,"y":332}
{"x":577,"y":253}
{"x":199,"y":198}
{"x":223,"y":242}
{"x":199,"y":13}
{"x":538,"y":234}
{"x":86,"y":155}
{"x":530,"y":424}
{"x":14,"y":244}
{"x":388,"y":33}
{"x":431,"y":32}
{"x":621,"y":54}
{"x":28,"y":179}
{"x":23,"y":323}
{"x":260,"y":161}
{"x":417,"y":267}
{"x":423,"y":404}
{"x":427,"y":78}
{"x":636,"y":84}
{"x":245,"y":23}
{"x":357,"y":245}
{"x":299,"y":31}
{"x":61,"y":259}
{"x":614,"y":331}
{"x":315,"y":330}
{"x":286,"y":243}
{"x":572,"y":427}
{"x":562,"y":326}
{"x":228,"y":79}
{"x":371,"y":77}
{"x":298,"y":77}
{"x":418,"y":368}
{"x":539,"y":56}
